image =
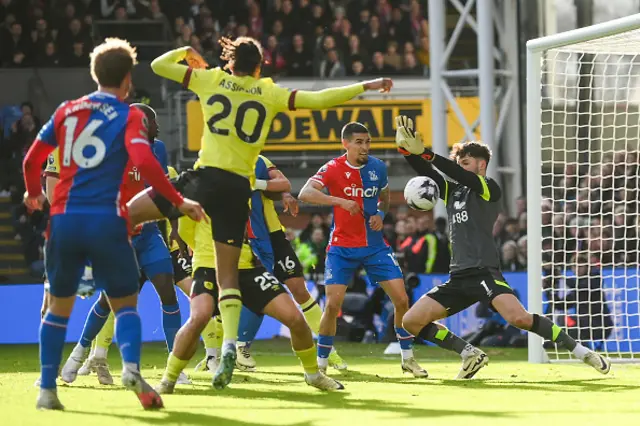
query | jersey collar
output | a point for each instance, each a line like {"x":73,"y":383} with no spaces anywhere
{"x":346,"y":161}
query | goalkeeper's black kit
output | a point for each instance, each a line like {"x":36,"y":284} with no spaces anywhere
{"x":472,"y":209}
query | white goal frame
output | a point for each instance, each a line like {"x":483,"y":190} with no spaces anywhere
{"x":536,"y":48}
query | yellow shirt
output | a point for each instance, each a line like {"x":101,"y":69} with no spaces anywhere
{"x":239,"y":110}
{"x":53,"y":164}
{"x":174,"y":245}
{"x":269,"y":210}
{"x":197,"y":235}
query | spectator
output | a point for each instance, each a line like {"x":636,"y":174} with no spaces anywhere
{"x":399,"y":28}
{"x":256,"y":23}
{"x":510,"y":257}
{"x":378,"y":67}
{"x":411,"y":66}
{"x":79,"y":57}
{"x":331,"y":67}
{"x":418,"y":24}
{"x":299,"y":62}
{"x":391,"y":58}
{"x":355,"y":52}
{"x":316,"y":221}
{"x":384,"y":11}
{"x":16,"y":47}
{"x":49,"y":57}
{"x":374,"y":38}
{"x":184,"y":39}
{"x":357,"y":69}
{"x":522,"y":252}
{"x":423,"y":52}
{"x":274,"y":62}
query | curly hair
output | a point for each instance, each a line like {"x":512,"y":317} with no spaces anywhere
{"x":475,"y":149}
{"x":243,"y":55}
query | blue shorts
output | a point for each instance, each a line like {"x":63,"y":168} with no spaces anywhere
{"x":103,"y":240}
{"x":152,"y":252}
{"x":342,"y":262}
{"x":264,"y":252}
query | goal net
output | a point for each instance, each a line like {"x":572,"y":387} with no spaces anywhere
{"x":583,"y":186}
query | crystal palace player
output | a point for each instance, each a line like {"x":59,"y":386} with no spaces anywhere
{"x":356,"y":181}
{"x":97,"y":134}
{"x":239,"y":109}
{"x":472,"y":208}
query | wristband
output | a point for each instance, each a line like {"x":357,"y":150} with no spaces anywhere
{"x":381,"y":214}
{"x":260,"y":185}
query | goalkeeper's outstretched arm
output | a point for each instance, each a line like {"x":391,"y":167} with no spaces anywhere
{"x":487,"y":188}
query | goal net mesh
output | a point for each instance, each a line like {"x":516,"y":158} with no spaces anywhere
{"x":590,"y":194}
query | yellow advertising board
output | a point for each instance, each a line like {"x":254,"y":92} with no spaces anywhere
{"x":320,"y":130}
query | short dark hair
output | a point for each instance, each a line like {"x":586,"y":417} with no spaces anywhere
{"x":111,"y":61}
{"x":474,"y":149}
{"x":146,"y":109}
{"x":244,"y":54}
{"x":350,"y":129}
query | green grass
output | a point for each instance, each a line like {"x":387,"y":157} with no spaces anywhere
{"x":507,"y":392}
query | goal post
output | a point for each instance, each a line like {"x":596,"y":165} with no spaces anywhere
{"x":583,"y":116}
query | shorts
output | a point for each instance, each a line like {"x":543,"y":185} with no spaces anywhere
{"x":152,"y":252}
{"x":258,"y":287}
{"x":379,"y":263}
{"x":223,"y":195}
{"x":103,"y":240}
{"x":181,"y":266}
{"x":280,"y":258}
{"x":469,"y":286}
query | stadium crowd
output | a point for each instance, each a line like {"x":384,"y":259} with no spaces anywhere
{"x":303,"y":38}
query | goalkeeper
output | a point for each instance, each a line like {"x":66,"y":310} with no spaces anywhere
{"x":472,"y":208}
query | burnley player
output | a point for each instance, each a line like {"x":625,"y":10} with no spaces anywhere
{"x":238,"y":110}
{"x":356,"y":182}
{"x":472,"y":208}
{"x":97,"y":135}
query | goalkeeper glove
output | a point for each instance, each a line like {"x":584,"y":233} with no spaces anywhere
{"x":408,"y":140}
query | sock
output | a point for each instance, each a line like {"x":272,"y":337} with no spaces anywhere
{"x":94,"y":323}
{"x":209,"y":336}
{"x":52,"y":334}
{"x":445,"y":339}
{"x":171,"y":323}
{"x":406,"y":342}
{"x":174,"y":368}
{"x":543,"y":327}
{"x":325,"y":343}
{"x":580,"y":351}
{"x":230,"y":305}
{"x":104,"y":338}
{"x":129,"y":335}
{"x":312,"y":313}
{"x":308,"y":360}
{"x":219,"y":333}
{"x":211,"y":352}
{"x":250,"y":323}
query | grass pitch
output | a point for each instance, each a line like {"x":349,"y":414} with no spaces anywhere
{"x":507,"y":392}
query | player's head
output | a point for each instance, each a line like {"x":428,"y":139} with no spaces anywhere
{"x":243,"y":55}
{"x":150,"y":113}
{"x":473,"y":156}
{"x":357,"y":141}
{"x":111,"y":65}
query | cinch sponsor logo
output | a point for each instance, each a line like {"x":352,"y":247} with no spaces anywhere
{"x":352,"y":191}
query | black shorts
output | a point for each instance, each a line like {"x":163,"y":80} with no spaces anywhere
{"x":469,"y":286}
{"x":181,"y":266}
{"x":258,"y":287}
{"x":224,"y":197}
{"x":286,"y":263}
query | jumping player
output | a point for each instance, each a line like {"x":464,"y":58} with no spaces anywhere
{"x":238,"y":111}
{"x":360,"y":197}
{"x":97,"y":134}
{"x":472,"y":208}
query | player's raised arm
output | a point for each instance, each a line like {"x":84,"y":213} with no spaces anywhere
{"x":139,"y":149}
{"x":410,"y":145}
{"x":167,"y":65}
{"x":334,"y":96}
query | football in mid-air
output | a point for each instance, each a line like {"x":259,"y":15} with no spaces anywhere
{"x":421,"y":193}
